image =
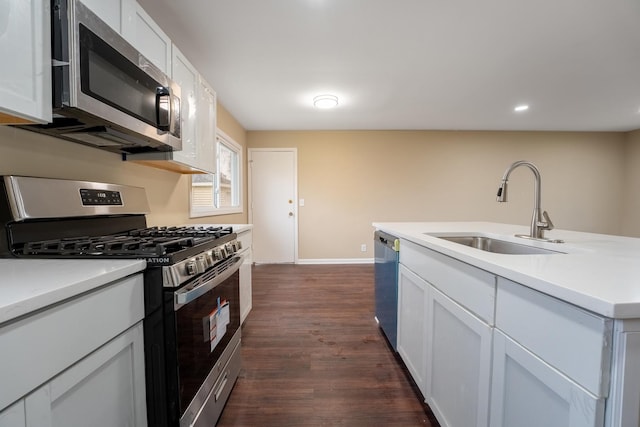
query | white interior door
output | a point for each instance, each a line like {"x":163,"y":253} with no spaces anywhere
{"x":273,"y":204}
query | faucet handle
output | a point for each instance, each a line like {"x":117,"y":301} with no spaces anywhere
{"x":546,"y":224}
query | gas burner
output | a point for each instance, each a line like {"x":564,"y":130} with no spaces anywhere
{"x":185,"y":231}
{"x":143,"y":243}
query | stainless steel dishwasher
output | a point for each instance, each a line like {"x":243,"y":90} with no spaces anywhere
{"x":386,"y":253}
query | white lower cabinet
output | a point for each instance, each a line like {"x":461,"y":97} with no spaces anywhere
{"x":458,"y":363}
{"x":246,"y":299}
{"x":623,"y":404}
{"x":77,"y":363}
{"x":102,"y":390}
{"x":527,"y":392}
{"x":487,"y":351}
{"x":245,"y":288}
{"x":412,"y":303}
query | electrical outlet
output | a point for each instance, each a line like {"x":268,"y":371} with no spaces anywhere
{"x":363,"y":248}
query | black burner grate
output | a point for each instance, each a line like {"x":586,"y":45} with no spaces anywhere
{"x":147,"y":242}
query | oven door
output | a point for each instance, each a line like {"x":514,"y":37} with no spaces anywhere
{"x":206,"y":323}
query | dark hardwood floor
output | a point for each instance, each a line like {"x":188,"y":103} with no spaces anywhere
{"x":314,"y":356}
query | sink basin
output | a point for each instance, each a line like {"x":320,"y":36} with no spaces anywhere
{"x":498,"y":246}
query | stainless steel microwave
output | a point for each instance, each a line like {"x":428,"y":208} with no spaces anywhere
{"x":105,"y":93}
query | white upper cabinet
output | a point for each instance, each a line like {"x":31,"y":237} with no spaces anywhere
{"x":145,"y":35}
{"x":186,"y":76}
{"x":197,"y":98}
{"x":25,"y":74}
{"x":198,"y":103}
{"x":129,"y":20}
{"x":112,"y":12}
{"x":206,"y":127}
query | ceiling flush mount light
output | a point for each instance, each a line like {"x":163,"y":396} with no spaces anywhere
{"x":521,"y":108}
{"x":325,"y":101}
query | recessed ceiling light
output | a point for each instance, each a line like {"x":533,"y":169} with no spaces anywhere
{"x":521,"y":108}
{"x":325,"y":101}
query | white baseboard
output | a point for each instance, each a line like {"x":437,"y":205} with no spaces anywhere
{"x":336,"y":261}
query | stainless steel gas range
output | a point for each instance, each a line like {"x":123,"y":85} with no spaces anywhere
{"x":192,"y":310}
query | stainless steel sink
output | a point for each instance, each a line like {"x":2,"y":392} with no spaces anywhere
{"x":498,"y":246}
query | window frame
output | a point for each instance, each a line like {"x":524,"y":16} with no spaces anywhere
{"x":201,"y":211}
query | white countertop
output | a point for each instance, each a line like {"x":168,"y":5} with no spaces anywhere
{"x":598,"y":272}
{"x":27,"y":285}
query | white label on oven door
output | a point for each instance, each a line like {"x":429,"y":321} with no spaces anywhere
{"x":215,"y":324}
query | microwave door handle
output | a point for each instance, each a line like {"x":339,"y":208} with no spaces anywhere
{"x":174,"y":119}
{"x":163,"y":108}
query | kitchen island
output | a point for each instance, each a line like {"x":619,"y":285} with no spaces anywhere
{"x":527,"y":339}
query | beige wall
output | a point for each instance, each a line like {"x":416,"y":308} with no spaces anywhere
{"x":350,"y":179}
{"x":631,"y":187}
{"x":28,"y":153}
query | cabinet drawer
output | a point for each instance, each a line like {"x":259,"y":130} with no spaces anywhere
{"x":572,"y":340}
{"x":40,"y":346}
{"x":469,"y":286}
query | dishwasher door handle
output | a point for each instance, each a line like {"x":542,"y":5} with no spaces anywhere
{"x":387,"y":241}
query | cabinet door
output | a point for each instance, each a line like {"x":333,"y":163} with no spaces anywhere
{"x":105,"y":389}
{"x":14,"y":415}
{"x":25,"y":74}
{"x":458,"y":363}
{"x":412,"y":299}
{"x":186,"y":76}
{"x":145,"y":35}
{"x":623,"y":404}
{"x":527,"y":392}
{"x":245,"y":287}
{"x":245,"y":239}
{"x":109,"y":11}
{"x":206,"y":127}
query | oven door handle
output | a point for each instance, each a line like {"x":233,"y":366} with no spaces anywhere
{"x":187,"y":294}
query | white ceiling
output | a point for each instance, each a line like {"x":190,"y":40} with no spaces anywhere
{"x":415,"y":64}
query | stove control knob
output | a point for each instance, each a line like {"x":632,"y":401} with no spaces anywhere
{"x":208,"y":260}
{"x":191,"y":268}
{"x":201,"y":265}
